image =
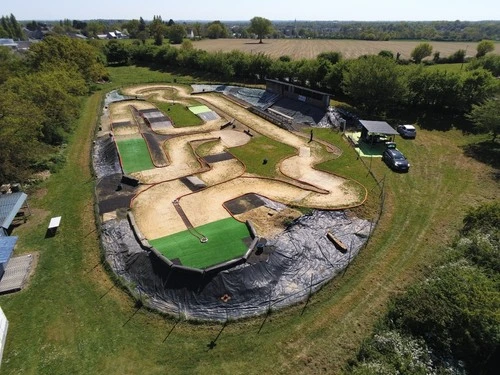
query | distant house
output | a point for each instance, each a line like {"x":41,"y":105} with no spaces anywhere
{"x":77,"y":36}
{"x":25,"y":45}
{"x":8,"y":43}
{"x":113,"y":35}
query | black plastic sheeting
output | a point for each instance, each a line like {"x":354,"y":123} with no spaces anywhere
{"x":105,"y":157}
{"x":302,"y":261}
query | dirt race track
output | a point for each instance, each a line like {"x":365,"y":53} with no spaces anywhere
{"x":301,"y":184}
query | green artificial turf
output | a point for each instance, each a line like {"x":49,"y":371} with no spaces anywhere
{"x":225,"y":242}
{"x":134,"y":154}
{"x":200,"y":109}
{"x":179,"y":114}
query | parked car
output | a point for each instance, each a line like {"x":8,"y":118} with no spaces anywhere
{"x":395,"y":160}
{"x":407,"y":131}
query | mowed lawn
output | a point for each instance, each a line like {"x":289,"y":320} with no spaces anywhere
{"x":225,"y":242}
{"x":134,"y":154}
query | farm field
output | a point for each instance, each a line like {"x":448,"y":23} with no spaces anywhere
{"x":310,"y":48}
{"x":74,"y":318}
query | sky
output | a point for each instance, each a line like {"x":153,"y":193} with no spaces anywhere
{"x":242,"y":10}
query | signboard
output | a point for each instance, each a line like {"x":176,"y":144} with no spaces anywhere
{"x":302,"y":98}
{"x":4,"y":325}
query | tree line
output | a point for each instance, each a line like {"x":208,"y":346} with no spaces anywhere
{"x":390,"y":30}
{"x":40,"y":97}
{"x":449,"y":322}
{"x":382,"y":30}
{"x":375,"y":83}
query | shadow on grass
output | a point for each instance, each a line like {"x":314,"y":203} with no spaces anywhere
{"x":430,"y":119}
{"x":212,"y":344}
{"x":487,"y":152}
{"x":171,"y":330}
{"x":138,"y":305}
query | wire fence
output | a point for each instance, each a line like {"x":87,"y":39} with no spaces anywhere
{"x":380,"y":184}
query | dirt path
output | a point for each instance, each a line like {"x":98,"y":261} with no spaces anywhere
{"x":222,"y":178}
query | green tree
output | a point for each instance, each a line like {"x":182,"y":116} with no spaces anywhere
{"x":259,"y":66}
{"x":333,"y":57}
{"x":74,"y":54}
{"x":486,"y":117}
{"x":10,"y":63}
{"x":457,"y":57}
{"x":420,"y":52}
{"x":16,"y":28}
{"x":477,"y":86}
{"x":55,"y":93}
{"x":455,"y":311}
{"x":157,"y":29}
{"x":261,"y":27}
{"x":20,"y":128}
{"x":481,"y":242}
{"x":117,"y":52}
{"x":95,"y":28}
{"x":132,"y":28}
{"x":216,"y":30}
{"x":386,"y":53}
{"x":484,"y":47}
{"x":434,"y":88}
{"x":280,"y":69}
{"x":197,"y":30}
{"x":374,"y":82}
{"x":176,"y":33}
{"x":240,"y":63}
{"x":490,"y":62}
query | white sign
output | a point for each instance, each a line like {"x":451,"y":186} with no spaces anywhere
{"x":302,"y":98}
{"x":4,"y":325}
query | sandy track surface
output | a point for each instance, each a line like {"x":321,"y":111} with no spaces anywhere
{"x":223,"y":179}
{"x":183,"y":162}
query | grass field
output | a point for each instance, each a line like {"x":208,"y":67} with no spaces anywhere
{"x":259,"y":148}
{"x":73,"y":318}
{"x":310,"y":48}
{"x":225,"y":242}
{"x":134,"y":154}
{"x":346,"y":167}
{"x":452,"y":68}
{"x":179,"y":114}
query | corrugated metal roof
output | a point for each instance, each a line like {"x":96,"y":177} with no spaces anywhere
{"x":10,"y":204}
{"x":6,"y":248}
{"x":380,"y":127}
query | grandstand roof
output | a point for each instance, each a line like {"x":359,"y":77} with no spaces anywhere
{"x":10,"y":204}
{"x":6,"y":248}
{"x":380,"y":127}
